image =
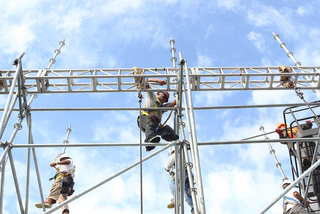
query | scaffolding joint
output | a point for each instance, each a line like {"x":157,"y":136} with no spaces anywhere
{"x":183,"y":124}
{"x":192,"y":190}
{"x":189,"y":164}
{"x":6,"y":144}
{"x":18,"y":125}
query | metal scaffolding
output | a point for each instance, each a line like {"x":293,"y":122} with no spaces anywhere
{"x":182,"y":80}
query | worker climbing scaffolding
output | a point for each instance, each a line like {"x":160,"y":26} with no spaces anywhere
{"x":170,"y":168}
{"x":150,"y":120}
{"x":63,"y":183}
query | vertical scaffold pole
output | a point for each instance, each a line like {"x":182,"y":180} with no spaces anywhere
{"x":66,"y":141}
{"x":193,"y":143}
{"x":188,"y":165}
{"x":6,"y":112}
{"x":2,"y":170}
{"x":173,"y":50}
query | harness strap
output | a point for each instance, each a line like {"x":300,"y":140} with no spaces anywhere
{"x":154,"y":106}
{"x":171,"y":174}
{"x":63,"y":175}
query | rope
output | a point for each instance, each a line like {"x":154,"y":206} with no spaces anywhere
{"x":141,"y":184}
{"x":167,"y":118}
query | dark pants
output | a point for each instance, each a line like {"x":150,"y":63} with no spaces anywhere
{"x":150,"y":130}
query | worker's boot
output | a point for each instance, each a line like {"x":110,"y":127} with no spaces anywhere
{"x":171,"y":205}
{"x":65,"y":211}
{"x":154,"y":139}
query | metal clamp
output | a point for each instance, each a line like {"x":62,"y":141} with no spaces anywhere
{"x":183,"y":124}
{"x":189,"y":164}
{"x":18,"y":125}
{"x":193,"y":190}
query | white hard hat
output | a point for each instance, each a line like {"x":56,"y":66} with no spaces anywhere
{"x":286,"y":182}
{"x":64,"y":156}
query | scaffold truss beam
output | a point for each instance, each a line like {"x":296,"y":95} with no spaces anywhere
{"x":121,"y":80}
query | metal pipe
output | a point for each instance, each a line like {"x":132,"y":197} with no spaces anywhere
{"x":3,"y":172}
{"x":195,"y":147}
{"x":173,"y":50}
{"x":109,"y":178}
{"x":66,"y":140}
{"x":15,"y":179}
{"x":38,"y":174}
{"x":182,"y":178}
{"x":272,"y":151}
{"x":176,"y":181}
{"x":57,"y":52}
{"x":293,"y":184}
{"x":161,"y":144}
{"x":193,"y":194}
{"x":166,"y":108}
{"x":16,"y":128}
{"x":16,"y":76}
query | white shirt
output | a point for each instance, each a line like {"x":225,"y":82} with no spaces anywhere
{"x":171,"y":163}
{"x":67,"y":168}
{"x":289,"y":196}
{"x":151,"y":99}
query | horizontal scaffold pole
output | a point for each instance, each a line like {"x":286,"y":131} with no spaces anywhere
{"x":164,"y":144}
{"x":166,"y":108}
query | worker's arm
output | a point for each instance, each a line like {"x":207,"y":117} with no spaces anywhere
{"x":173,"y":103}
{"x":160,"y":81}
{"x":170,"y":162}
{"x":64,"y":162}
{"x":298,"y":196}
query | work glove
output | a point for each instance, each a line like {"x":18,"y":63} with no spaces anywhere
{"x":279,"y":131}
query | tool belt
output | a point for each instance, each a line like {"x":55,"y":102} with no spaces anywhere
{"x":67,"y":185}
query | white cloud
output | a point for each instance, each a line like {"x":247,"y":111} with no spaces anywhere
{"x":302,"y":10}
{"x":270,"y":17}
{"x":258,"y":40}
{"x":233,"y":5}
{"x":204,"y":60}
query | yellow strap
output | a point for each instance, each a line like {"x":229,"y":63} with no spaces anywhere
{"x":154,"y":106}
{"x":172,"y":178}
{"x":61,"y":174}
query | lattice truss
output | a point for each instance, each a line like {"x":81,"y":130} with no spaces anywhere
{"x":201,"y":79}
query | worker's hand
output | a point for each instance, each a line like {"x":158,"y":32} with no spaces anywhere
{"x":279,"y":131}
{"x":53,"y":164}
{"x":162,"y":82}
{"x":307,"y":203}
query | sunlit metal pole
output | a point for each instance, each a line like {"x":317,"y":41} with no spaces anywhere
{"x":194,"y":146}
{"x":6,"y":112}
{"x":278,"y":164}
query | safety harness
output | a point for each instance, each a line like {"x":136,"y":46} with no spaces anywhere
{"x":66,"y":183}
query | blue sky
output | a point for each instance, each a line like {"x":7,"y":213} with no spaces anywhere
{"x":125,"y":34}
